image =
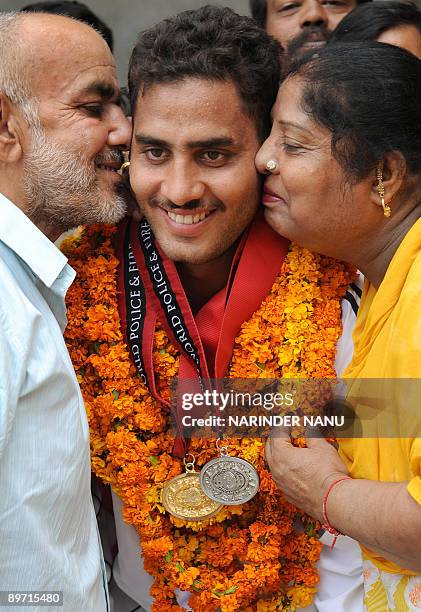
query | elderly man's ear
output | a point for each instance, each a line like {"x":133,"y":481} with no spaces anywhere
{"x":11,"y":132}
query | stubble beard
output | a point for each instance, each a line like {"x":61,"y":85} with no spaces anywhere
{"x":296,"y":47}
{"x":62,"y":189}
{"x":185,"y":251}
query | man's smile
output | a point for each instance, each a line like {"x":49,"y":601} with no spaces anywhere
{"x":188,"y":219}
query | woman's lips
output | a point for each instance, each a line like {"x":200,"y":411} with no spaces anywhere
{"x":271,"y":199}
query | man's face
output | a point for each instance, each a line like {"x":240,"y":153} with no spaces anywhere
{"x":301,"y":25}
{"x":72,"y":156}
{"x":192,"y":167}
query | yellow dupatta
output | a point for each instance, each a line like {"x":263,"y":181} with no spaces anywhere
{"x":387,"y":340}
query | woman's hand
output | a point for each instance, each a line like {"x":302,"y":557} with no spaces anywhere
{"x":381,"y":515}
{"x":304,"y":474}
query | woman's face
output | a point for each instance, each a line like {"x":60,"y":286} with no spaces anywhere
{"x":405,"y":36}
{"x":308,"y":198}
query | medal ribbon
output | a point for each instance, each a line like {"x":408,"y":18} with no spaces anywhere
{"x":167,"y":295}
{"x":255,"y":267}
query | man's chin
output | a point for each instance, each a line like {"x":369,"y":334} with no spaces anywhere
{"x":187,"y":256}
{"x":296,"y":51}
{"x":113,"y":204}
{"x":109,"y":211}
{"x":315,"y":44}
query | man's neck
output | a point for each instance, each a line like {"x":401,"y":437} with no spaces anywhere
{"x":18,"y":199}
{"x":202,"y":281}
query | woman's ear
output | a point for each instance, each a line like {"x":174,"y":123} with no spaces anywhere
{"x":10,"y":131}
{"x":388,"y":177}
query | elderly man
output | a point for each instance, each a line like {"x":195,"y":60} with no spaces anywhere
{"x":300,"y":25}
{"x":61,"y":135}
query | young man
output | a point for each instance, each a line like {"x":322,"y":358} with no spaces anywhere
{"x":300,"y":25}
{"x":61,"y":134}
{"x":202,"y":292}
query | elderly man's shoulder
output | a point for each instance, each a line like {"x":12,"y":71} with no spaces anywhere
{"x":13,"y":278}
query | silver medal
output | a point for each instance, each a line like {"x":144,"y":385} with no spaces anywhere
{"x":229,"y":480}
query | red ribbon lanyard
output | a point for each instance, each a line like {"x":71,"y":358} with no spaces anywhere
{"x":254,"y":269}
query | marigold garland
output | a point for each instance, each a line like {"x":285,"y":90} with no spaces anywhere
{"x":248,"y":557}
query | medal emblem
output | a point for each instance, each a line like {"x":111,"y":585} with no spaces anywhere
{"x":184,"y":498}
{"x":229,"y":480}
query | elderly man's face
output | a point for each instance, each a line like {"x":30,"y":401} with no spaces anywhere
{"x":73,"y":155}
{"x":301,"y":25}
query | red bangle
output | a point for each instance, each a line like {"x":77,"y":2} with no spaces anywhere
{"x":326,"y":524}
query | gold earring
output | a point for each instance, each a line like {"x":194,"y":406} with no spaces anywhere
{"x":380,"y":188}
{"x":125,"y":166}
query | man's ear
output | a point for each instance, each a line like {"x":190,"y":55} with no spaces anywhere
{"x":389,"y":174}
{"x":10,"y":131}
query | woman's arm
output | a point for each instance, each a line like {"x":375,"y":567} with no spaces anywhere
{"x":380,"y":515}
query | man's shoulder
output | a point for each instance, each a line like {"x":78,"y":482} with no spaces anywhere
{"x":352,"y":298}
{"x":350,"y":305}
{"x":16,"y":285}
{"x":12,"y":272}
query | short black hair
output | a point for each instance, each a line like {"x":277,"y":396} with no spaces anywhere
{"x":369,"y":97}
{"x":74,"y":9}
{"x":213,"y":43}
{"x":369,"y":21}
{"x":258,"y":9}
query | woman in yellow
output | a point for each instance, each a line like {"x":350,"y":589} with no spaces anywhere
{"x":343,"y":166}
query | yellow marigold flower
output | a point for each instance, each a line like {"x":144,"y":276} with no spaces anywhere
{"x":301,"y":597}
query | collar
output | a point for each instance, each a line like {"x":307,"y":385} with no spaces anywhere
{"x":20,"y":235}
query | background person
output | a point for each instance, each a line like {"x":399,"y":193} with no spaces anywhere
{"x":396,"y":23}
{"x":61,"y":135}
{"x":346,"y":147}
{"x":300,"y":25}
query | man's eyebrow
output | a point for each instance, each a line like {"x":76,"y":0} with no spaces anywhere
{"x":208,"y":143}
{"x":150,"y":140}
{"x":103,"y":89}
{"x":211,"y":142}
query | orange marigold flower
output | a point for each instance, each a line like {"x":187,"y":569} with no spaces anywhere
{"x":246,"y":557}
{"x":157,"y":549}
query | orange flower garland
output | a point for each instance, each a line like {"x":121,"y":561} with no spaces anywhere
{"x":247,"y":557}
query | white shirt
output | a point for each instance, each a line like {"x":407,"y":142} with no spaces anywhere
{"x":341,"y":584}
{"x":48,"y":533}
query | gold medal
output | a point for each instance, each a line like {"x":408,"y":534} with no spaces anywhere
{"x":183,"y":497}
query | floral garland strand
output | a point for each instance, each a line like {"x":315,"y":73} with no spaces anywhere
{"x":247,"y":557}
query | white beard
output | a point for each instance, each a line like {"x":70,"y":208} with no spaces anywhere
{"x":62,"y":188}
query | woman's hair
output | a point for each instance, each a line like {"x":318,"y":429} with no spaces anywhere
{"x":369,"y":21}
{"x":369,"y":97}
